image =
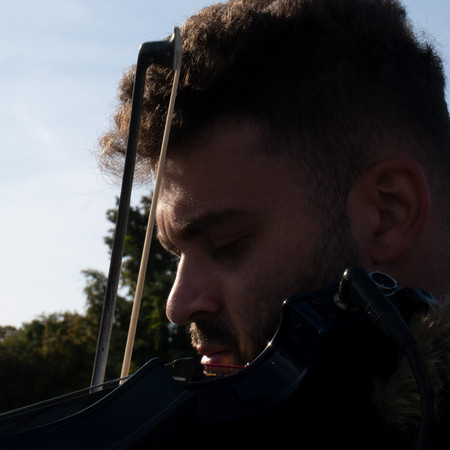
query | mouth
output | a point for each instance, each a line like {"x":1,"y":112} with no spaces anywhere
{"x":218,"y":361}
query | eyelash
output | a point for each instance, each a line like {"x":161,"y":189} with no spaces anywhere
{"x":175,"y":252}
{"x":229,"y":250}
{"x":226,"y":251}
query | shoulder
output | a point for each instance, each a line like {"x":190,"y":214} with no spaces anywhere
{"x":397,"y":401}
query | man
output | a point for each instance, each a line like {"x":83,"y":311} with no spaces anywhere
{"x":308,"y":136}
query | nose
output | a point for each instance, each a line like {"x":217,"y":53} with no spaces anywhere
{"x":194,"y":293}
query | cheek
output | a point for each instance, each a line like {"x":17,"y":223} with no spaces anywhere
{"x":255,"y":313}
{"x":278,"y":272}
{"x":277,"y":269}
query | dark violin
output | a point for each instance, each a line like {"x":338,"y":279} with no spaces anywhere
{"x":325,"y":349}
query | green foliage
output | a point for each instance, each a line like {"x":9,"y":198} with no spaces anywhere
{"x":44,"y":358}
{"x":54,"y":353}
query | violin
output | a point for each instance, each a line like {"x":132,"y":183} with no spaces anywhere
{"x":319,"y":363}
{"x":311,"y":383}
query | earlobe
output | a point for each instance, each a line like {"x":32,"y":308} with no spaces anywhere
{"x":389,"y":206}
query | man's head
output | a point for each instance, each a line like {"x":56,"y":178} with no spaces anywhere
{"x":330,"y":116}
{"x":247,"y":238}
{"x":345,"y":79}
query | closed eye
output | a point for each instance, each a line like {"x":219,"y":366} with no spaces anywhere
{"x":175,"y":252}
{"x":170,"y":248}
{"x":231,"y":249}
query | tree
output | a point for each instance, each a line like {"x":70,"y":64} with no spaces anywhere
{"x":44,"y":358}
{"x":54,"y":353}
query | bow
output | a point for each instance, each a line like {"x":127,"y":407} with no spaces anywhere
{"x":168,"y":54}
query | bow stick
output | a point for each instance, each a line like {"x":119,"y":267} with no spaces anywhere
{"x":151,"y":221}
{"x":168,"y":54}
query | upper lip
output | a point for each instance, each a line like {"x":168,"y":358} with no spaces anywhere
{"x":210,"y":350}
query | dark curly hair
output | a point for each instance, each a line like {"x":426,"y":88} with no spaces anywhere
{"x":331,"y":83}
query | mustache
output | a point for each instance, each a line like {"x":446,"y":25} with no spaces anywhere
{"x":214,"y":331}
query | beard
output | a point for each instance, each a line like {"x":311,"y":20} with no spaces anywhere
{"x":337,"y":251}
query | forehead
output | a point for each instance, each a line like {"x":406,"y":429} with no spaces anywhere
{"x":213,"y":160}
{"x":222,"y":170}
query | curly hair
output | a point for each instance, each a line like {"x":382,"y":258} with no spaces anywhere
{"x":330,"y":82}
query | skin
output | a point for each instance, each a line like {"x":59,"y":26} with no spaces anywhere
{"x":246,"y":235}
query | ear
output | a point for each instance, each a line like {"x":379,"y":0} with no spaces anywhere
{"x":389,"y":206}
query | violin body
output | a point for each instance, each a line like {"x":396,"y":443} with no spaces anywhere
{"x":315,"y":375}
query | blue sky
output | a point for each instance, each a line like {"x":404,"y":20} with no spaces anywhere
{"x":60,"y":64}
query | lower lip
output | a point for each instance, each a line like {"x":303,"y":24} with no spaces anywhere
{"x":216,"y":364}
{"x":222,"y":367}
{"x":219,"y":358}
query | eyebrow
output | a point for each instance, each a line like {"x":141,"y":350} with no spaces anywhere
{"x":187,"y":229}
